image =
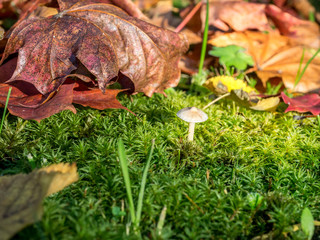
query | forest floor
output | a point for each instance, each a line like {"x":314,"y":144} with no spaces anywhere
{"x":246,"y":174}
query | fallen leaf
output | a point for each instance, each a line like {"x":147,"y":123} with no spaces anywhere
{"x":146,"y":4}
{"x":238,"y":91}
{"x":63,"y":174}
{"x":22,"y":194}
{"x":162,"y":15}
{"x":43,"y":11}
{"x":223,"y":84}
{"x":267,"y":104}
{"x":241,"y":97}
{"x":303,"y":7}
{"x":104,"y":39}
{"x":94,"y":98}
{"x":23,"y":7}
{"x":14,"y":2}
{"x":279,"y":3}
{"x":33,"y":105}
{"x":26,"y":102}
{"x":1,"y":33}
{"x":127,"y":5}
{"x":275,"y":56}
{"x":306,"y":103}
{"x":237,"y":15}
{"x":300,"y":31}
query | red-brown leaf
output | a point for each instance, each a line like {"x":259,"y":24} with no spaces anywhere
{"x":28,"y":103}
{"x":36,"y":106}
{"x":126,"y":5}
{"x":94,"y":98}
{"x":306,"y":103}
{"x":104,"y":39}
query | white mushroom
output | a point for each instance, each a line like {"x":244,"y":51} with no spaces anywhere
{"x":192,"y":115}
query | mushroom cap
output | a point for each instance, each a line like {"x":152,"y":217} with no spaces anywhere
{"x":192,"y":114}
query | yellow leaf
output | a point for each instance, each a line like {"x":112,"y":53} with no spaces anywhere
{"x":223,"y":84}
{"x":22,"y":194}
{"x":62,"y":176}
{"x":267,"y":104}
{"x":43,"y":11}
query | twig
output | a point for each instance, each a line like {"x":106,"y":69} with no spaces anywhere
{"x":196,"y":205}
{"x":188,"y":17}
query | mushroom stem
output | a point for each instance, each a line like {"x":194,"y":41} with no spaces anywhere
{"x":191,"y":131}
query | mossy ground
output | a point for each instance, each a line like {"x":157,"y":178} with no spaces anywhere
{"x":207,"y":186}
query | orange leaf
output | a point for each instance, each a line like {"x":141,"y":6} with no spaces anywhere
{"x":237,"y":15}
{"x":275,"y":56}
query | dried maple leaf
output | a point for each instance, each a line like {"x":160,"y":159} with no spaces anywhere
{"x":275,"y":56}
{"x":301,"y":31}
{"x":126,"y":5}
{"x":33,"y":105}
{"x":22,"y":194}
{"x":26,"y":102}
{"x":23,"y":7}
{"x":236,"y":15}
{"x":94,"y":98}
{"x":306,"y":103}
{"x":104,"y":39}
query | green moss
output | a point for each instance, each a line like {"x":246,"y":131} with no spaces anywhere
{"x":205,"y":185}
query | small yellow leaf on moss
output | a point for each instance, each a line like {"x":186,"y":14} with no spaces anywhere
{"x":267,"y":104}
{"x":22,"y":194}
{"x":223,"y":84}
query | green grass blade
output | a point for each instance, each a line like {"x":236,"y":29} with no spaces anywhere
{"x":161,"y":221}
{"x":312,"y":17}
{"x":307,"y":223}
{"x":306,"y":66}
{"x":125,"y":172}
{"x":143,"y":184}
{"x":296,"y":81}
{"x":205,"y":39}
{"x":5,"y":108}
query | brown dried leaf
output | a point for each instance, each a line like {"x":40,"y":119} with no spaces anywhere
{"x":300,"y":31}
{"x":33,"y":105}
{"x":94,"y":98}
{"x":28,"y":103}
{"x":276,"y":56}
{"x":104,"y":39}
{"x":236,"y":15}
{"x":62,"y":175}
{"x":146,"y":4}
{"x":22,"y":194}
{"x":126,"y":5}
{"x":1,"y":33}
